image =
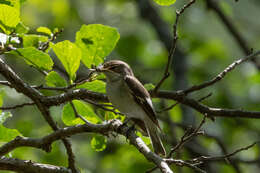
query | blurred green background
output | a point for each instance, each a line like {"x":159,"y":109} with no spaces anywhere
{"x":205,"y":48}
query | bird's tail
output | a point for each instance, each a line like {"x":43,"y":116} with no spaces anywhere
{"x":153,"y":133}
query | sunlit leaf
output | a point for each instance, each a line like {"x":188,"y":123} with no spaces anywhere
{"x":98,"y":143}
{"x":96,"y":42}
{"x":21,"y":28}
{"x":111,"y":115}
{"x":12,"y":3}
{"x":149,"y":86}
{"x":5,"y":133}
{"x":8,"y":134}
{"x":36,"y":58}
{"x":53,"y":79}
{"x":176,"y":114}
{"x":33,"y":40}
{"x":165,"y":2}
{"x":9,"y":16}
{"x":96,"y":85}
{"x":69,"y":118}
{"x":44,"y":30}
{"x":69,"y":55}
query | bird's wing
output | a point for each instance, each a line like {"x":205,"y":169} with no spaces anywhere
{"x":142,"y":97}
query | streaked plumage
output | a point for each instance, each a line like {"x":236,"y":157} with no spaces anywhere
{"x":129,"y":96}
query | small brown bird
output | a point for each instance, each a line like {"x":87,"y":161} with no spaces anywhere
{"x":130,"y":97}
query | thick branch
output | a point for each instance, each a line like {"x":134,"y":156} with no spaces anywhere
{"x":111,"y":126}
{"x":210,"y":111}
{"x":27,"y":166}
{"x":17,"y":83}
{"x":80,"y":94}
{"x":45,"y":142}
{"x":17,"y":106}
{"x":36,"y":96}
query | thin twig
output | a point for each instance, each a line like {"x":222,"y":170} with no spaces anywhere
{"x":77,"y":114}
{"x":17,"y":106}
{"x":168,"y":108}
{"x":205,"y":97}
{"x":220,"y":75}
{"x":175,"y":104}
{"x":184,"y":163}
{"x":186,"y":137}
{"x":241,"y":41}
{"x":87,"y":79}
{"x":46,"y":45}
{"x":174,"y":43}
{"x":215,"y":158}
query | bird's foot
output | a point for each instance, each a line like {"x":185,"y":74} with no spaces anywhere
{"x":131,"y":128}
{"x":126,"y":121}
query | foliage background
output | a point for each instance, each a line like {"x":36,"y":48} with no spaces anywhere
{"x":208,"y":48}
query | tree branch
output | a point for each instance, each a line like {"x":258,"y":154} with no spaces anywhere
{"x":36,"y":96}
{"x":221,"y":75}
{"x":174,"y":43}
{"x":212,"y":4}
{"x":216,"y":158}
{"x":111,"y":126}
{"x":211,"y":111}
{"x":28,"y":166}
{"x":17,"y":106}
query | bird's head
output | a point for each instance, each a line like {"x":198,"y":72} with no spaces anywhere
{"x":115,"y":69}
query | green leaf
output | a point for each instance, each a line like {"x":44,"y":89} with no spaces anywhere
{"x":21,"y":28}
{"x":22,"y":1}
{"x":176,"y":114}
{"x":68,"y":116}
{"x":9,"y":16}
{"x":55,"y":30}
{"x":8,"y":134}
{"x":149,"y":86}
{"x":69,"y":55}
{"x":96,"y":86}
{"x":13,"y":3}
{"x":33,"y":40}
{"x":165,"y":2}
{"x":5,"y":133}
{"x":53,"y":79}
{"x":98,"y":143}
{"x":111,"y":115}
{"x":96,"y":42}
{"x":2,"y":119}
{"x":44,"y":30}
{"x":36,"y":58}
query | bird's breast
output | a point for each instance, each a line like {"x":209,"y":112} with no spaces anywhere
{"x":121,"y":98}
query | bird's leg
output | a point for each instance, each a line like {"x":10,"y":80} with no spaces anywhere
{"x":126,"y":121}
{"x":132,"y":127}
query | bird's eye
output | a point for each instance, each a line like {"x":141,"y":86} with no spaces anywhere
{"x":113,"y":68}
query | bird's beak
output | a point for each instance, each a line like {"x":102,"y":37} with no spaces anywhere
{"x":100,"y":68}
